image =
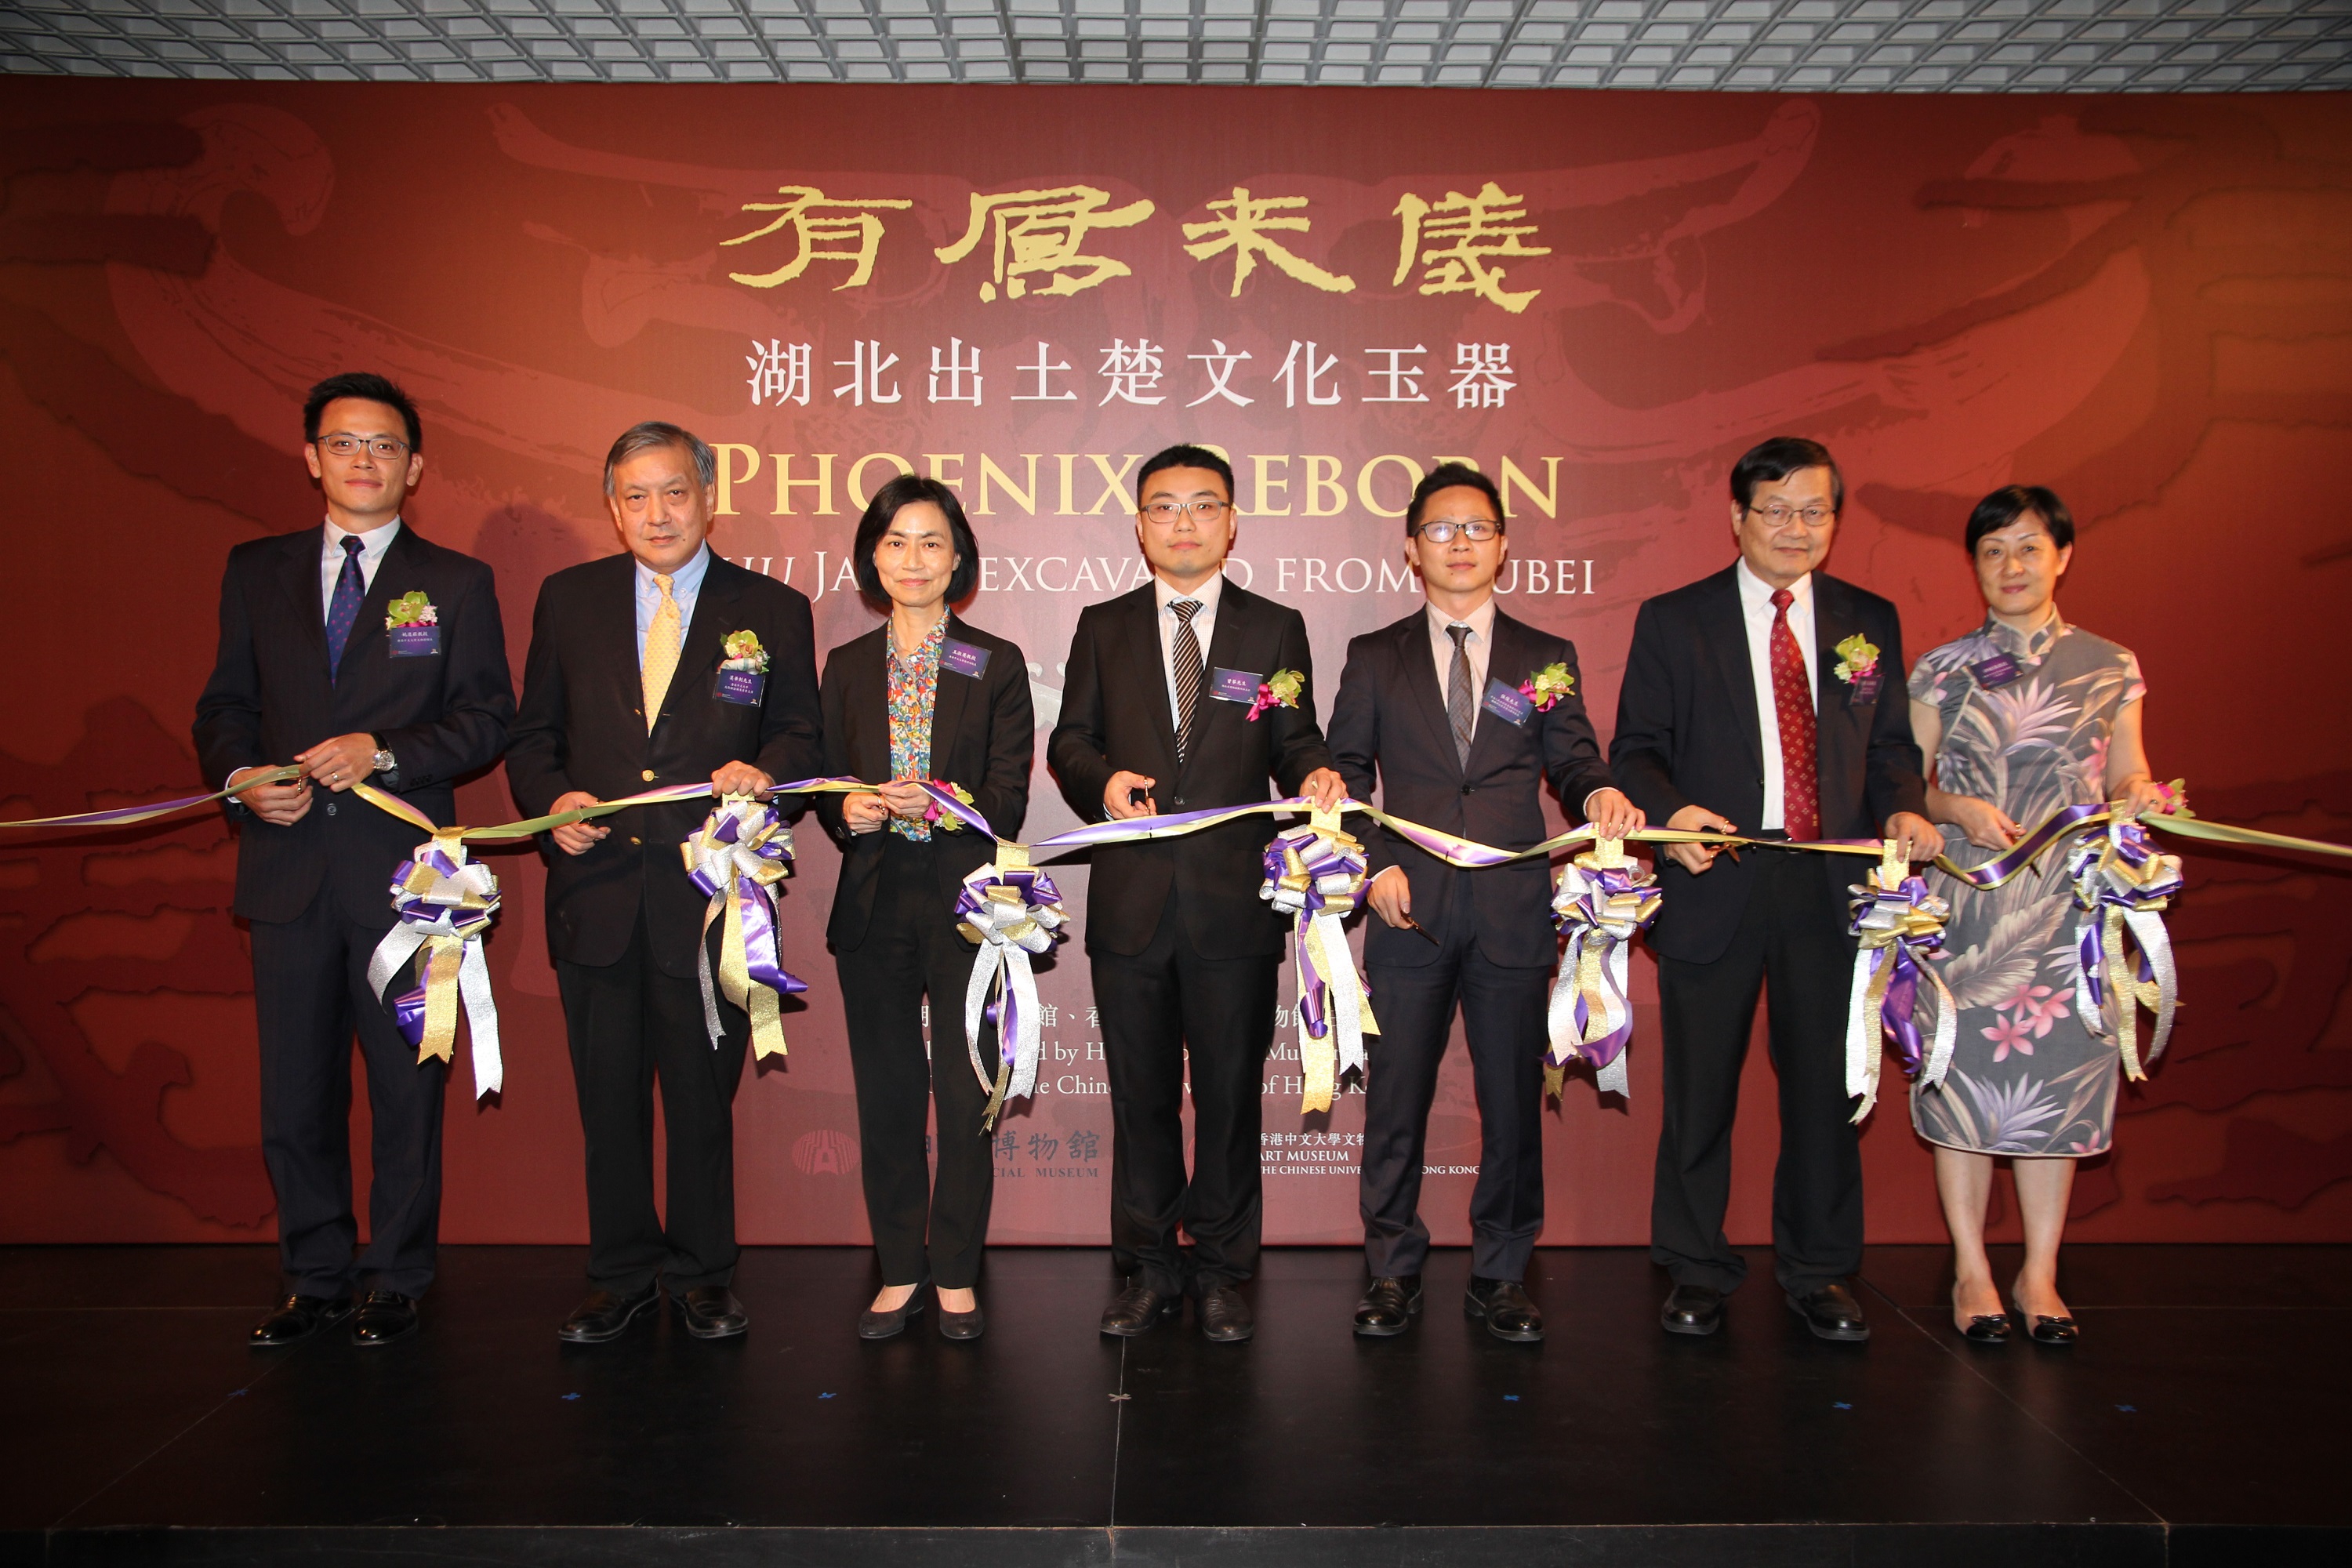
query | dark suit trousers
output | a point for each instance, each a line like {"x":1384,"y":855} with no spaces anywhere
{"x":1157,"y":1007}
{"x":911,"y":948}
{"x":629,"y":1022}
{"x":1503,"y":1013}
{"x":310,"y":991}
{"x":1791,"y":944}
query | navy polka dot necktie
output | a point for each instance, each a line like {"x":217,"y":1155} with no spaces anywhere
{"x":343,"y":609}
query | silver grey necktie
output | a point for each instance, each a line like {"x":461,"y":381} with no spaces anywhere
{"x":1185,"y":656}
{"x":1458,"y":704}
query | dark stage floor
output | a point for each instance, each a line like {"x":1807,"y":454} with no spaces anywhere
{"x":2202,"y":1419}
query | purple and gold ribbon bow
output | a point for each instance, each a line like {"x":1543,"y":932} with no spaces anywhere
{"x":2124,"y":883}
{"x":446,"y":904}
{"x":1901,"y":925}
{"x":1315,"y":874}
{"x":1604,"y":900}
{"x":1012,"y":910}
{"x":740,"y":852}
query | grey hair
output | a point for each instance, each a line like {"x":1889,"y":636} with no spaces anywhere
{"x":653,"y":433}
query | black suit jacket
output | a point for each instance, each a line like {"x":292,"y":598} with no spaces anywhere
{"x":1687,"y":735}
{"x":583,"y":727}
{"x":442,"y":715}
{"x":1116,"y":715}
{"x":983,"y":736}
{"x":1390,"y":713}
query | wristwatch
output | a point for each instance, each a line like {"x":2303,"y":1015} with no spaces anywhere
{"x":383,"y":761}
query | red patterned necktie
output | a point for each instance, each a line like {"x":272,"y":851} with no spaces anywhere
{"x":1792,"y":700}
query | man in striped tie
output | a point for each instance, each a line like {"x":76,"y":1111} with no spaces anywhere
{"x":1159,"y":714}
{"x":1773,"y":691}
{"x":621,"y":695}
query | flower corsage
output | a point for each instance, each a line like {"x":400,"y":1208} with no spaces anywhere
{"x":1857,"y":659}
{"x":412,"y":610}
{"x":1279,"y":690}
{"x":413,"y":626}
{"x":1548,"y":686}
{"x":744,"y":652}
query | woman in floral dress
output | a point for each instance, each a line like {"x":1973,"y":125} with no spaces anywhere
{"x":2022,"y":717}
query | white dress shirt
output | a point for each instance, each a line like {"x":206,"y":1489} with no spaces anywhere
{"x":1757,"y":613}
{"x":1205,"y":627}
{"x":685,"y":586}
{"x":1478,"y":645}
{"x":373,"y":544}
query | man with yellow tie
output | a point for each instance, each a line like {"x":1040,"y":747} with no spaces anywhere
{"x":623,"y":692}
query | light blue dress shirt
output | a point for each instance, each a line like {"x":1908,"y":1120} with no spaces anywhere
{"x":685,"y":586}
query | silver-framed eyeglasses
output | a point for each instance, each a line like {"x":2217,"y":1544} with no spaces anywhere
{"x":1778,"y":512}
{"x":1477,"y":529}
{"x":380,"y":447}
{"x":1202,"y":511}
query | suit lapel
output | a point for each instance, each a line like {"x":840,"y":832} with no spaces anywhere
{"x":397,"y":573}
{"x":1143,"y":654}
{"x":698,"y":655}
{"x":1724,"y":636}
{"x":950,"y":692}
{"x":1420,"y":677}
{"x":299,"y":574}
{"x":1492,"y":739}
{"x":1832,"y":624}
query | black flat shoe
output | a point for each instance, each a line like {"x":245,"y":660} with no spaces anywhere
{"x":1692,"y":1310}
{"x":1507,"y":1310}
{"x":711,"y":1313}
{"x":296,"y":1319}
{"x":384,"y":1318}
{"x":962,"y":1325}
{"x":1988,"y":1329}
{"x":1225,"y":1315}
{"x":1389,"y":1307}
{"x":604,"y":1315}
{"x":2056,"y":1331}
{"x":1139,"y":1307}
{"x":1831,"y":1313}
{"x":874,"y":1325}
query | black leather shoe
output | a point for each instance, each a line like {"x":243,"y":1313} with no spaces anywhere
{"x":2056,"y":1331}
{"x":1988,"y":1329}
{"x":874,"y":1325}
{"x":1832,"y":1313}
{"x":296,"y":1319}
{"x":1224,"y":1316}
{"x":711,"y":1313}
{"x":962,"y":1325}
{"x":1692,"y":1310}
{"x":604,"y":1315}
{"x":1389,"y":1306}
{"x":1138,"y":1307}
{"x":1508,"y":1313}
{"x":385,"y":1317}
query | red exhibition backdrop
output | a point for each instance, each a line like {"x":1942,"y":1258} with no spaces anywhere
{"x":1601,"y":299}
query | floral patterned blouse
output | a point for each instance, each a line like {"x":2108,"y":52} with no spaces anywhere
{"x":914,"y":685}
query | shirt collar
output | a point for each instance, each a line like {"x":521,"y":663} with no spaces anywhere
{"x":1481,"y":621}
{"x":1755,"y":593}
{"x":926,"y":652}
{"x":1207,"y":593}
{"x":2033,"y":644}
{"x":372,"y":543}
{"x":686,"y":579}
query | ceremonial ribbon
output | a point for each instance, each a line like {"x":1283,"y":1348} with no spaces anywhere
{"x":2123,"y":881}
{"x":124,"y":815}
{"x":1604,"y":900}
{"x":446,"y":904}
{"x":742,"y":850}
{"x":1315,"y":874}
{"x":1012,"y":910}
{"x":1901,"y":925}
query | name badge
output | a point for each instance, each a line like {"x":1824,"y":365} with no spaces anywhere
{"x":1507,"y":703}
{"x":414,"y":642}
{"x":1864,"y":691}
{"x":743,"y":687}
{"x":1995,"y":672}
{"x":1234,"y":685}
{"x":963,"y":658}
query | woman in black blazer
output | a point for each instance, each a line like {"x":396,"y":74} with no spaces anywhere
{"x":923,"y":696}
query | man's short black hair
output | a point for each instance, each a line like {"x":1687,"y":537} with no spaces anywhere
{"x":899,"y":493}
{"x":1778,"y":458}
{"x":2010,"y":502}
{"x":361,"y":384}
{"x":1182,"y":456}
{"x":1445,"y":476}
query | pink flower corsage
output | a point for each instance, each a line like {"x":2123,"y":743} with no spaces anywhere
{"x":1279,"y":690}
{"x":1547,"y":686}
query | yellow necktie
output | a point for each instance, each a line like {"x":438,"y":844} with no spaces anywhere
{"x":661,"y":653}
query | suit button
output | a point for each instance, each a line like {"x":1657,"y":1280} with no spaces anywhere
{"x":635,"y":840}
{"x":1469,"y":789}
{"x":330,"y":808}
{"x":1180,"y":800}
{"x":647,"y":775}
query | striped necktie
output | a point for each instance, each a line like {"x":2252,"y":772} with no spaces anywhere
{"x":1185,"y":656}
